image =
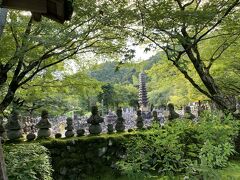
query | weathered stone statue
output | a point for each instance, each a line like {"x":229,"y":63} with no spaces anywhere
{"x":95,"y":120}
{"x":120,"y":127}
{"x":139,"y":120}
{"x":172,"y":114}
{"x":110,"y":128}
{"x":44,"y":125}
{"x":14,"y":129}
{"x":69,"y":128}
{"x":188,"y":114}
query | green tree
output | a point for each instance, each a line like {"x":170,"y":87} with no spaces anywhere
{"x":31,"y":48}
{"x":107,"y":96}
{"x":57,"y":92}
{"x":169,"y":85}
{"x":125,"y":95}
{"x":180,"y":29}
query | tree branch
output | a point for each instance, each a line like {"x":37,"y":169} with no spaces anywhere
{"x":219,"y":21}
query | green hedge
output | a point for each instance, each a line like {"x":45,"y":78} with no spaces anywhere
{"x":27,"y":162}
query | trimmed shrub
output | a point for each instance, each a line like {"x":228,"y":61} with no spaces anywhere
{"x":27,"y":161}
{"x":181,"y":147}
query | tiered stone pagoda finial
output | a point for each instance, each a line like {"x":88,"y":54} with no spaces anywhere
{"x":44,"y":125}
{"x":69,"y":128}
{"x":139,"y":120}
{"x":120,"y":121}
{"x":155,"y":117}
{"x":14,"y":129}
{"x":143,"y":100}
{"x":95,"y":120}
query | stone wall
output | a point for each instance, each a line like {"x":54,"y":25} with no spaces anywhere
{"x":78,"y":158}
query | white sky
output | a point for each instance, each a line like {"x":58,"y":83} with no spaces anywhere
{"x":141,"y":55}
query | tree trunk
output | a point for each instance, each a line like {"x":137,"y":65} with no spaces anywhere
{"x":224,"y":103}
{"x":8,"y":98}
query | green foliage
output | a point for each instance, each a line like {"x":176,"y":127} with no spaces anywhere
{"x":27,"y":161}
{"x":194,"y":35}
{"x":182,"y":146}
{"x":166,"y":85}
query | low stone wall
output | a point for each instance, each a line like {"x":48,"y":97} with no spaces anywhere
{"x":78,"y":158}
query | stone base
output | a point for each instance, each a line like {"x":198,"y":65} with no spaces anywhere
{"x":95,"y":129}
{"x":43,"y":133}
{"x":14,"y":134}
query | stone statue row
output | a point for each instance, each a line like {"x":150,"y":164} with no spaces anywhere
{"x":14,"y":129}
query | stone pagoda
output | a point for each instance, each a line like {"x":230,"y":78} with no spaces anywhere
{"x":142,"y":99}
{"x":95,"y":120}
{"x":44,"y":126}
{"x":14,"y":129}
{"x":139,"y":120}
{"x":120,"y":127}
{"x":69,"y":128}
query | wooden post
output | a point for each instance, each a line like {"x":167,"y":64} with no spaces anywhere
{"x":3,"y":171}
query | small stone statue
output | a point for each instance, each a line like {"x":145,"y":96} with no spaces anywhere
{"x":44,"y":125}
{"x":80,"y":132}
{"x":31,"y":136}
{"x":139,"y":120}
{"x":172,"y":114}
{"x":120,"y":121}
{"x":14,"y":129}
{"x":110,"y":128}
{"x":58,"y":135}
{"x":95,"y":120}
{"x":188,"y":114}
{"x":69,"y":128}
